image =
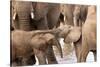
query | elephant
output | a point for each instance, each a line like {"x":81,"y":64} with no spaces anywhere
{"x":80,"y":36}
{"x":29,"y":43}
{"x":48,"y":12}
{"x":80,"y":14}
{"x":30,"y":16}
{"x":67,"y":10}
{"x":89,"y":35}
{"x":21,"y":14}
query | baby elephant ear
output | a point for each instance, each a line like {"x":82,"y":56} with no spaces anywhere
{"x":49,"y":37}
{"x":73,"y":35}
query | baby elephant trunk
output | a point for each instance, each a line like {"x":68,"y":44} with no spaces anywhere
{"x":57,"y":44}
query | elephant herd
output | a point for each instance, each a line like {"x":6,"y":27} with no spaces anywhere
{"x":36,"y":27}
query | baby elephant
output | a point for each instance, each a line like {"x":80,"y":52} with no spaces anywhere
{"x":25,"y":45}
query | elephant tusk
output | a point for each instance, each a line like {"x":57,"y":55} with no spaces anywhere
{"x":14,"y":16}
{"x":32,"y":15}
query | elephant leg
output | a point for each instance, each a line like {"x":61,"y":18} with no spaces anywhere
{"x":50,"y":56}
{"x":77,"y":49}
{"x":83,"y":55}
{"x":95,"y":55}
{"x":41,"y":56}
{"x":42,"y":24}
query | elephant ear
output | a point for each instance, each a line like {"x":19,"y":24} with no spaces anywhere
{"x":48,"y":37}
{"x":74,"y":35}
{"x":41,"y":40}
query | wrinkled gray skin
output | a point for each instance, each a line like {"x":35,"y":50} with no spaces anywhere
{"x":26,"y":44}
{"x":45,"y":17}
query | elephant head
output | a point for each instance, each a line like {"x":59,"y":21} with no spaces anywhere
{"x":73,"y":35}
{"x":22,"y":14}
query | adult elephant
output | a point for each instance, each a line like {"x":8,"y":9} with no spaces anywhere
{"x":35,"y":15}
{"x":46,"y":13}
{"x":89,"y":30}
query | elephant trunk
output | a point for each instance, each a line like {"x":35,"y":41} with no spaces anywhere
{"x":57,"y":44}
